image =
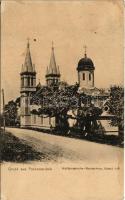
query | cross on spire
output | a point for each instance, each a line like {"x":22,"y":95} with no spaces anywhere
{"x":52,"y":45}
{"x":85,"y":47}
{"x":28,"y":42}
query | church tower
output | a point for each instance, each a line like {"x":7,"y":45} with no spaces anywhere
{"x":52,"y":74}
{"x":28,"y":85}
{"x":85,"y":70}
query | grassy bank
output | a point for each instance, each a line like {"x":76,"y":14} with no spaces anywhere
{"x":15,"y":150}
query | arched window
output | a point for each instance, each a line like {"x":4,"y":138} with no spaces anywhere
{"x":83,"y":76}
{"x":31,"y":81}
{"x":23,"y":82}
{"x":49,"y":120}
{"x":89,"y":77}
{"x":41,"y":119}
{"x":28,"y":81}
{"x":34,"y":119}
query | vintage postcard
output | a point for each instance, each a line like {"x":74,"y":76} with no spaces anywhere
{"x":62,"y":100}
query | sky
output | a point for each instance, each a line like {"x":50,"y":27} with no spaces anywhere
{"x":71,"y":26}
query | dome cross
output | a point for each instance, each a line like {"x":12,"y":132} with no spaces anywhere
{"x":85,"y":47}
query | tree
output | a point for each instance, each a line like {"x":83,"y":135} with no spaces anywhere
{"x":116,"y":106}
{"x":11,"y":113}
{"x":17,"y":101}
{"x":56,"y":103}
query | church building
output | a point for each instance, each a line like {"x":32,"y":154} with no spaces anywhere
{"x":28,"y":87}
{"x":85,"y":70}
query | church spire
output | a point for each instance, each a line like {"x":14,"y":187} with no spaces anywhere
{"x":52,"y":73}
{"x":52,"y":65}
{"x":28,"y":66}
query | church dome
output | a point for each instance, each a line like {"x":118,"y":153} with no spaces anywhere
{"x":85,"y":64}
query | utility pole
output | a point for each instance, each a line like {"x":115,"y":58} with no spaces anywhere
{"x":3,"y":110}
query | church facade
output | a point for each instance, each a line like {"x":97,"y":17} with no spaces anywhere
{"x":85,"y":71}
{"x":28,"y":87}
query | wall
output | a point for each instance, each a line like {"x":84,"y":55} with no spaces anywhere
{"x":42,"y":121}
{"x":86,"y":83}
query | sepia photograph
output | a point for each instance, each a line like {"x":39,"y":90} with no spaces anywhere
{"x":62,"y":100}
